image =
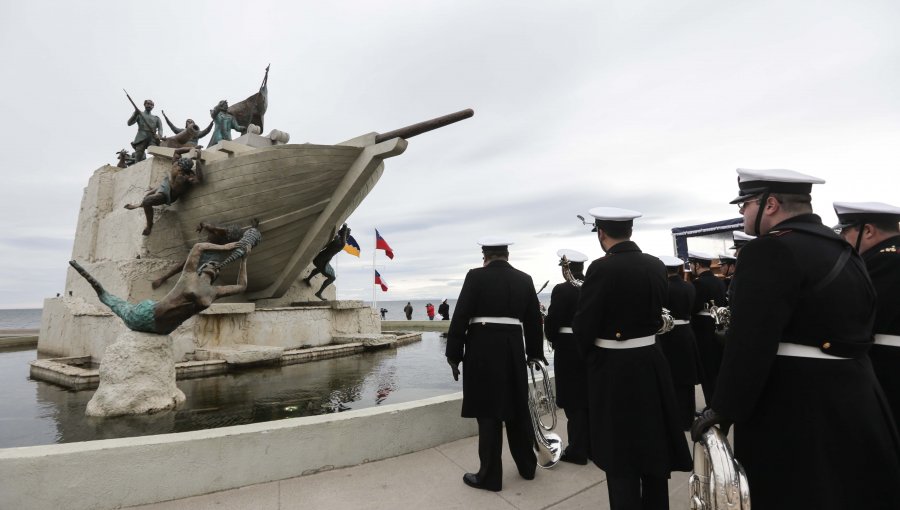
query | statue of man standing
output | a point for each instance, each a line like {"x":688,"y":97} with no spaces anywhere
{"x":149,"y":130}
{"x":223,"y":122}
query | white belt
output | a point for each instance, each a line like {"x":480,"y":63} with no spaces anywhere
{"x":707,"y":314}
{"x":566,"y":330}
{"x":803,"y":351}
{"x":632,"y":343}
{"x":891,"y":340}
{"x":680,"y":322}
{"x":495,"y":320}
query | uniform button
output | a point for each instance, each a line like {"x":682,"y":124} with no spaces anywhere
{"x":826,"y":345}
{"x":618,"y":335}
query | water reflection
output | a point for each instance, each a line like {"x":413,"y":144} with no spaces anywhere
{"x":33,"y":412}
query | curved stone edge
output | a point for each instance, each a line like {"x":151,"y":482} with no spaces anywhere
{"x":114,"y":473}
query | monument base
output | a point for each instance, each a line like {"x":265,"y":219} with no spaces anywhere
{"x":137,"y":376}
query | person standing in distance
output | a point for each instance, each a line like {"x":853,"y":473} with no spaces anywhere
{"x":496,"y":306}
{"x":444,"y":310}
{"x":408,"y":310}
{"x":812,"y":427}
{"x":633,"y":416}
{"x":872,"y":228}
{"x":568,"y":365}
{"x":679,"y":345}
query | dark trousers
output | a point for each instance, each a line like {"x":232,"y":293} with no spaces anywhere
{"x":520,"y":435}
{"x":686,"y":405}
{"x":644,"y":493}
{"x":578,"y":431}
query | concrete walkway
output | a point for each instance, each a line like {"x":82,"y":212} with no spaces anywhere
{"x":426,"y":479}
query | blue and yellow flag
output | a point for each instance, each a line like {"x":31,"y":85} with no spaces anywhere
{"x":352,"y":247}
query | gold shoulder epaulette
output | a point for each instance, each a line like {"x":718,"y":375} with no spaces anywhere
{"x":889,"y":249}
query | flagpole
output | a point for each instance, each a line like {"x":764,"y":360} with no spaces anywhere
{"x":374,"y":251}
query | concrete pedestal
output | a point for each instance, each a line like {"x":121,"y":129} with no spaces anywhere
{"x":137,"y":376}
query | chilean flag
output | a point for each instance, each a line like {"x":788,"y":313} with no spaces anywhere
{"x":381,"y":244}
{"x":380,"y":281}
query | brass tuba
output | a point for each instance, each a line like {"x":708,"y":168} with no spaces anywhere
{"x":541,"y":401}
{"x":718,"y":481}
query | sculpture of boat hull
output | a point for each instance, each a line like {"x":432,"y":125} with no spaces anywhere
{"x":300,"y":193}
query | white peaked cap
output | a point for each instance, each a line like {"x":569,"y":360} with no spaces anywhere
{"x":756,"y":182}
{"x":571,"y":255}
{"x":671,"y":261}
{"x":492,"y":241}
{"x":613,"y":214}
{"x":737,"y":235}
{"x":700,"y":255}
{"x":777,"y":175}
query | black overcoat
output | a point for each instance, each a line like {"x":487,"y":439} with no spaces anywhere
{"x":568,"y":364}
{"x":883,"y":263}
{"x":811,"y":433}
{"x":679,"y":345}
{"x":633,"y":415}
{"x":708,"y":288}
{"x":495,"y":381}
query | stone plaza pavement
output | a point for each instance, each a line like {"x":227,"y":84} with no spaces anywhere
{"x":426,"y":479}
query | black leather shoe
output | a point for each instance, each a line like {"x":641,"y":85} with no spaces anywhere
{"x":527,"y":476}
{"x":565,"y":457}
{"x":472,"y":480}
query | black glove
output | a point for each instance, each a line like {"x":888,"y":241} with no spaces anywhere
{"x":541,"y":359}
{"x":454,"y":366}
{"x":707,"y":419}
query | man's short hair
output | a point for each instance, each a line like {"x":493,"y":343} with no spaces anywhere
{"x":617,"y":230}
{"x":887,"y":226}
{"x":794,"y":203}
{"x":490,"y":254}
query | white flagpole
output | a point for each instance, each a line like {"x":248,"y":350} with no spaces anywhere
{"x":374,"y":251}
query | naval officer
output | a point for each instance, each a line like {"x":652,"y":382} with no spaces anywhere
{"x":635,"y":437}
{"x":708,"y":288}
{"x":872,"y":227}
{"x":811,"y":425}
{"x":568,"y":365}
{"x":679,"y":345}
{"x":727,"y":263}
{"x":496,"y":307}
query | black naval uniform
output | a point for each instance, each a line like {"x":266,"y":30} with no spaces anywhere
{"x":810,"y":432}
{"x":708,"y":288}
{"x":569,"y":368}
{"x":680,"y":349}
{"x":635,"y":432}
{"x":883,"y":263}
{"x":495,"y":383}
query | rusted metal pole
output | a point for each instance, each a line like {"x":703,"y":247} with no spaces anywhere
{"x":426,"y":126}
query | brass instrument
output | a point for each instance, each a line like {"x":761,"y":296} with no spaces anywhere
{"x":668,"y":322}
{"x":567,"y":273}
{"x":720,"y":314}
{"x":541,"y":401}
{"x":718,"y":481}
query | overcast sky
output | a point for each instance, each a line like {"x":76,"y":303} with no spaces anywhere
{"x":649,"y":105}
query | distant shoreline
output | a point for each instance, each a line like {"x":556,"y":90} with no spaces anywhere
{"x":19,"y":332}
